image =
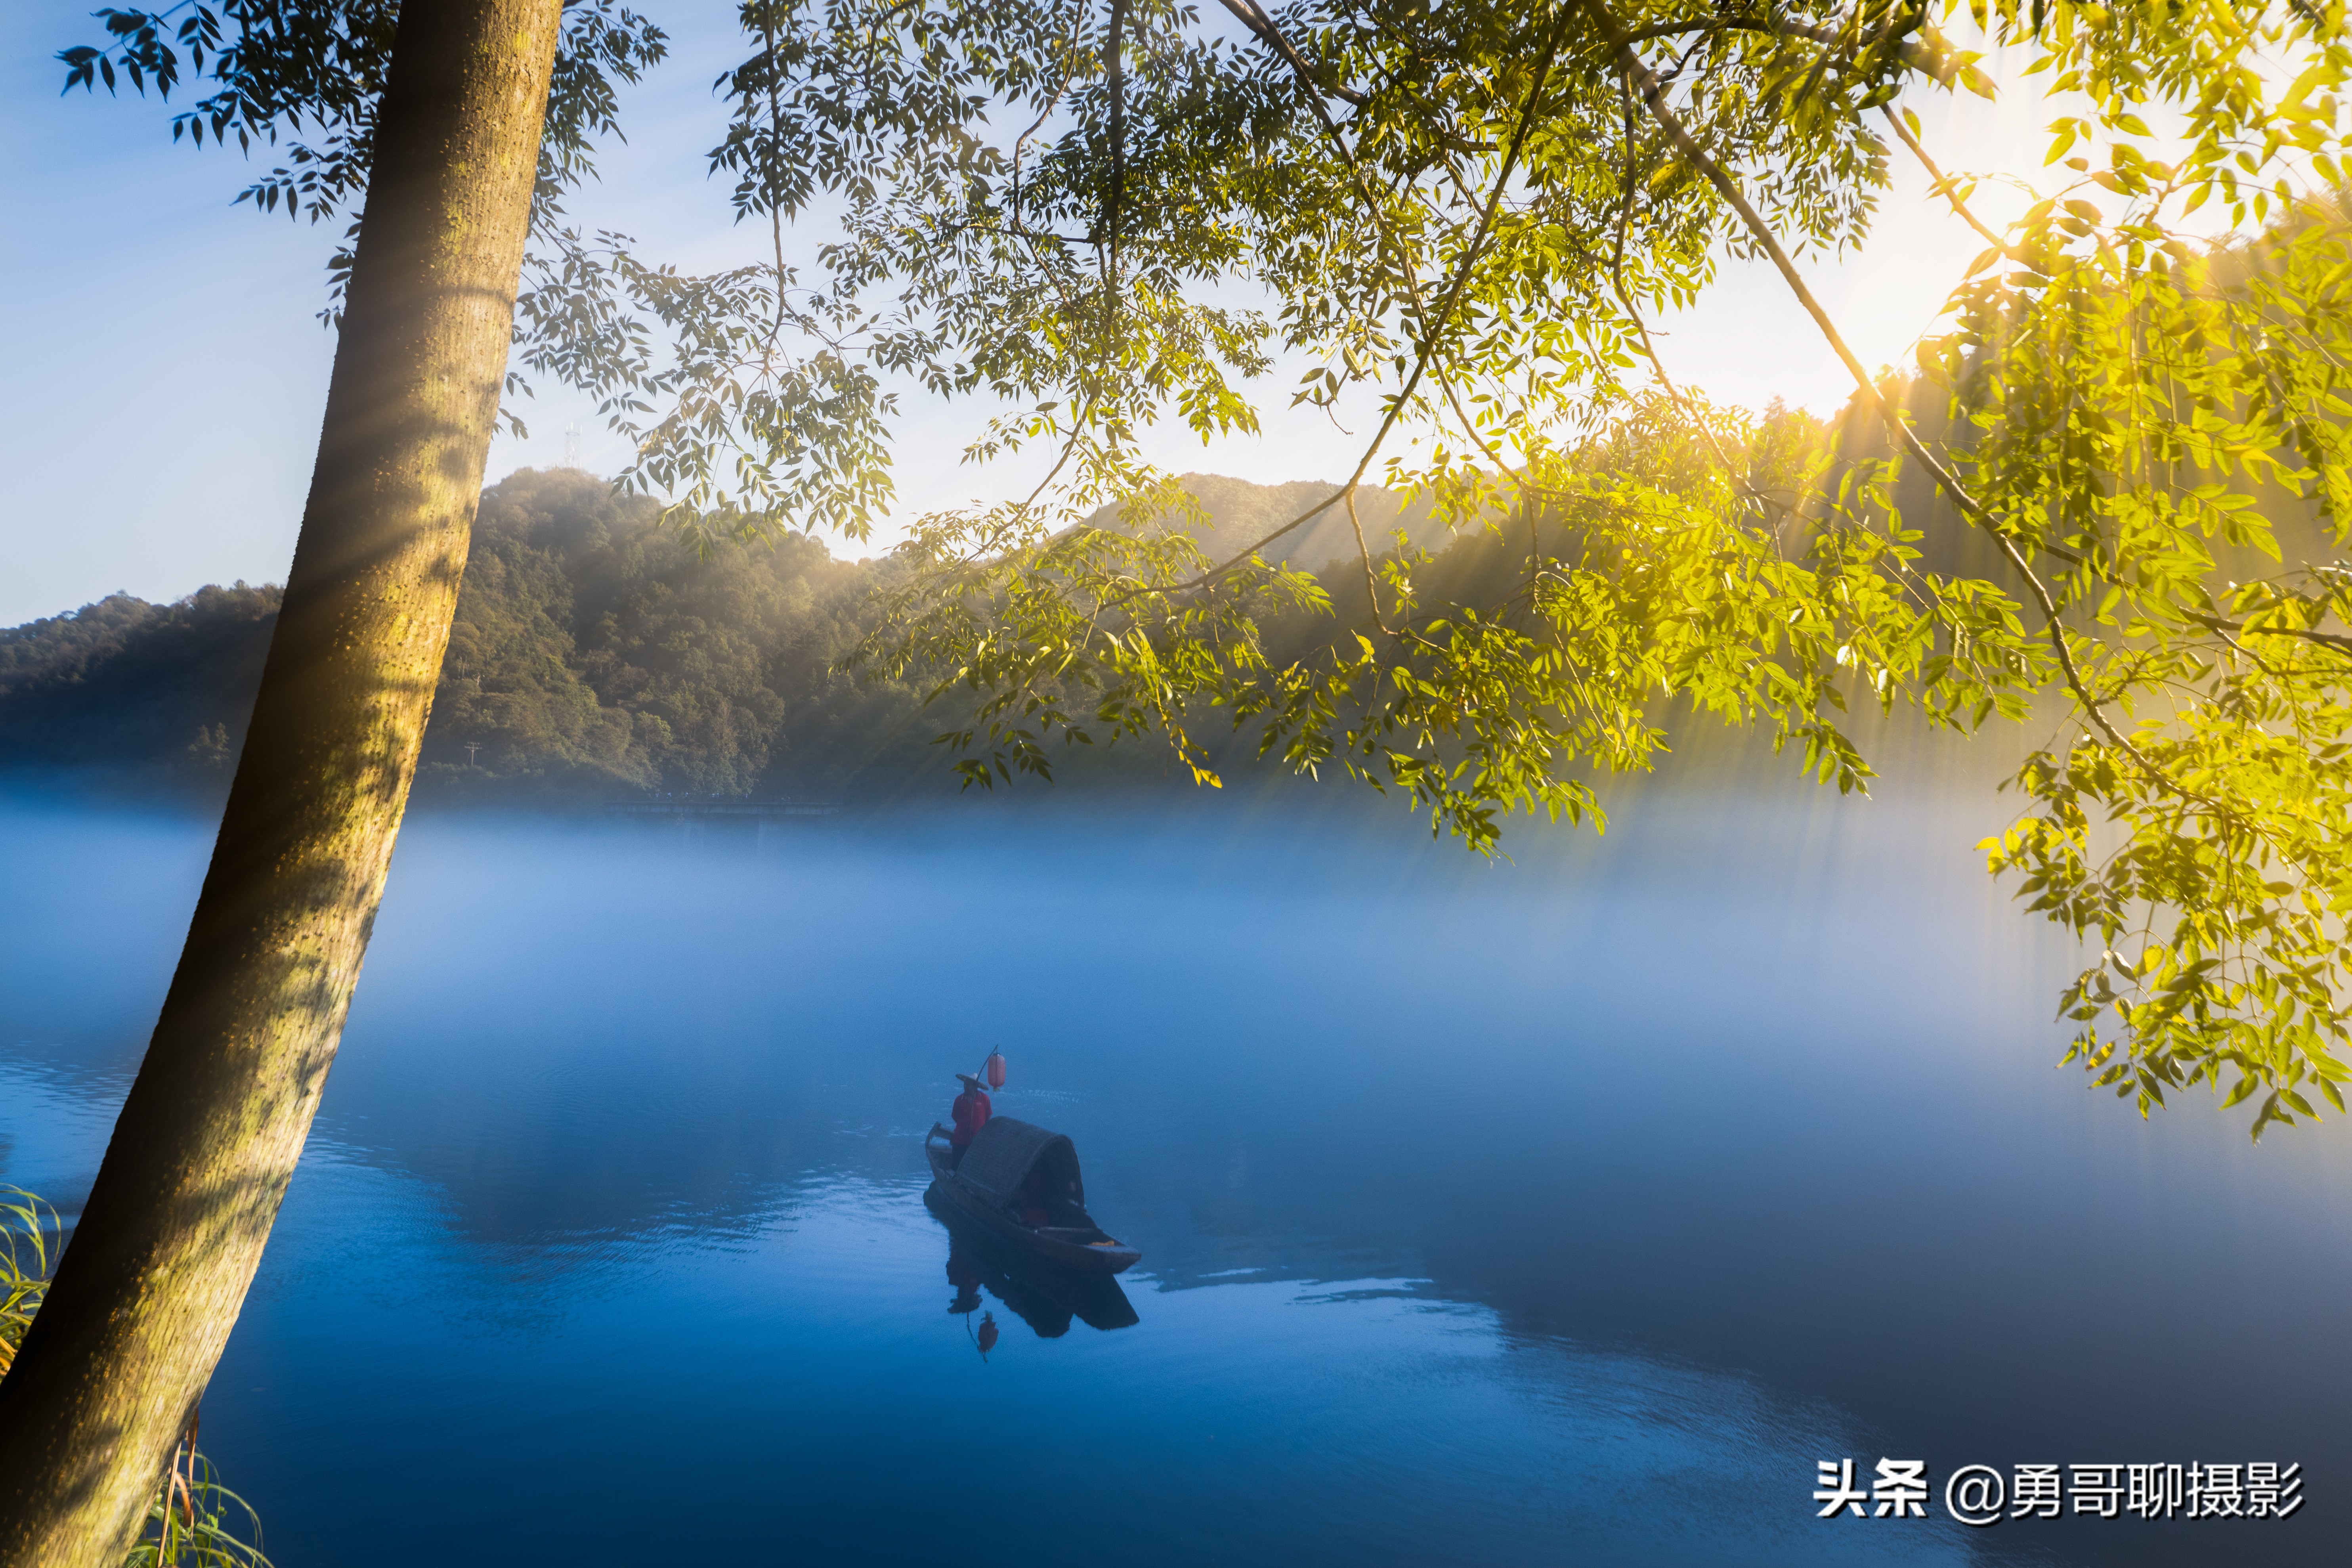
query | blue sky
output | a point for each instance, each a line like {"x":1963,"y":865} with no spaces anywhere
{"x":166,"y":372}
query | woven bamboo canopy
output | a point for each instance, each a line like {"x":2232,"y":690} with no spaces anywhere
{"x":1006,"y":1151}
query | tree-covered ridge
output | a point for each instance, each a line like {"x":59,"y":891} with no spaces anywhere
{"x":596,"y":653}
{"x":163,"y":687}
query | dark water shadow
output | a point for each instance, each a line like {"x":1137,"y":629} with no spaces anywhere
{"x":1044,"y":1296}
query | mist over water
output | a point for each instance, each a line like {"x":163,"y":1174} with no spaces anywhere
{"x":1567,"y":1209}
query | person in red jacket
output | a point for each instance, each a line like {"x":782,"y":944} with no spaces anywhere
{"x":971,"y":1111}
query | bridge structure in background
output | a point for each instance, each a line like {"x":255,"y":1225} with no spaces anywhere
{"x":707,"y":807}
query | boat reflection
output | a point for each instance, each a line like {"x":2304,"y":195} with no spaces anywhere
{"x":1042,"y":1296}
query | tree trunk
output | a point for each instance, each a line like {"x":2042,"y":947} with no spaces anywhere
{"x":151,"y":1282}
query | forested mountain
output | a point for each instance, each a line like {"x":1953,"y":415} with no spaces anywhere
{"x":594,"y":655}
{"x":159,"y":690}
{"x":594,"y":652}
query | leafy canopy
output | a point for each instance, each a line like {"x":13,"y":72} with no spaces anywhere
{"x":1098,"y":216}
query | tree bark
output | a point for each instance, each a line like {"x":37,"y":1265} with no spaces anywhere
{"x":151,"y":1282}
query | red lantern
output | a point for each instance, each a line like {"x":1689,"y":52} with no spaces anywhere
{"x":994,"y":1072}
{"x":987,"y":1332}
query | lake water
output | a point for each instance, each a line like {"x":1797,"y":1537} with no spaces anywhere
{"x":1567,"y":1210}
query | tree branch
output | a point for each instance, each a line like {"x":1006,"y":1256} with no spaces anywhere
{"x":1653,"y":98}
{"x":1263,"y":27}
{"x":1428,"y":345}
{"x":1118,"y":141}
{"x":2239,"y":629}
{"x":1946,"y":185}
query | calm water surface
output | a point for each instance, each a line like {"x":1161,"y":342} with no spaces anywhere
{"x":1561,"y":1210}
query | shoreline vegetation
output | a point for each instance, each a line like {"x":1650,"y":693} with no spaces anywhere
{"x":597,"y":657}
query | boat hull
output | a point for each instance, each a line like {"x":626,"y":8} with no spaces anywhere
{"x":983,"y":1211}
{"x":1045,"y":1295}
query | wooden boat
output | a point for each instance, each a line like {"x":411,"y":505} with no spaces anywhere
{"x":1012,"y":1166}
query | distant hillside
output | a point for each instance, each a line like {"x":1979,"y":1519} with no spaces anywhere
{"x":1241,"y":513}
{"x":164,"y":690}
{"x":593,"y":654}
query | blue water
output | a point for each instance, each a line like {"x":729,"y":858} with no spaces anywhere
{"x":1569,"y":1210}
